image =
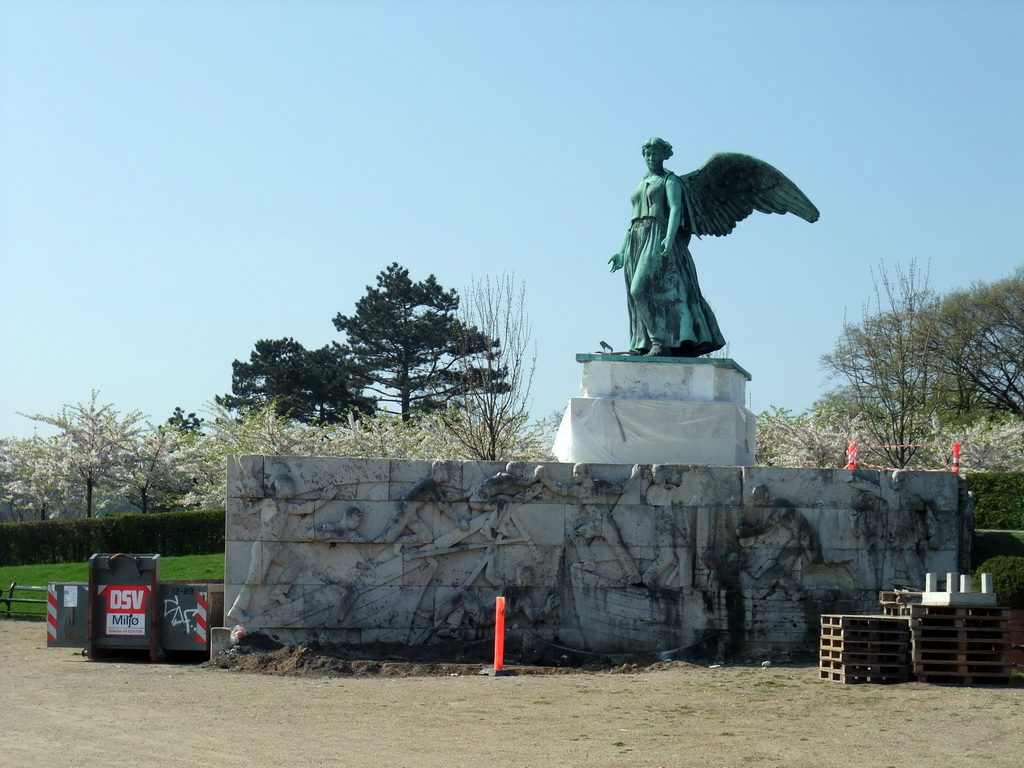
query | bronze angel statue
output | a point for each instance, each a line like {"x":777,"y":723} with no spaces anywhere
{"x":668,"y":315}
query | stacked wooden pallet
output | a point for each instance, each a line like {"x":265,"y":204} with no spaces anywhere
{"x":898,"y":602}
{"x":865,"y":649}
{"x":1016,"y":627}
{"x":960,"y":645}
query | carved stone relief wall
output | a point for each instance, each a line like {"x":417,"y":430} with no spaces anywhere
{"x":597,"y":558}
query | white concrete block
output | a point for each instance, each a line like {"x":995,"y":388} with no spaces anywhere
{"x":955,"y":599}
{"x":696,"y":380}
{"x":608,"y":430}
{"x":220,"y":640}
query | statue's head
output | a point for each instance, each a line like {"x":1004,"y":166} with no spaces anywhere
{"x":899,"y":479}
{"x":443,"y":471}
{"x":660,"y":146}
{"x":661,"y":474}
{"x":517,"y":468}
{"x":282,"y":487}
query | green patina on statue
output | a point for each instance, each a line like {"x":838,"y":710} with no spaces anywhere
{"x":668,"y":315}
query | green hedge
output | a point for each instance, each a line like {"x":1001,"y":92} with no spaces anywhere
{"x":998,"y":500}
{"x":1007,"y":579}
{"x":170,"y":534}
{"x":988,"y":544}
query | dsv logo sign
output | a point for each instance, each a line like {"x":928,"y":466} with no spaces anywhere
{"x":126,"y":610}
{"x":127,"y":599}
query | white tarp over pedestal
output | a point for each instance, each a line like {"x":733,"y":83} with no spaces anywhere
{"x":658,"y":411}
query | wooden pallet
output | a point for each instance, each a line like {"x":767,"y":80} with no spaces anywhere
{"x":847,"y":671}
{"x":898,"y":602}
{"x":865,"y":629}
{"x":963,"y":678}
{"x":864,"y":649}
{"x":960,"y":645}
{"x":977,"y":613}
{"x":1016,"y":628}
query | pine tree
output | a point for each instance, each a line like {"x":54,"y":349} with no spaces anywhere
{"x":317,"y":386}
{"x":409,"y":339}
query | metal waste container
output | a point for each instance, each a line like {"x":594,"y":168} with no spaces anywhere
{"x":123,"y":612}
{"x":67,"y":617}
{"x":125,"y":606}
{"x":187,"y":610}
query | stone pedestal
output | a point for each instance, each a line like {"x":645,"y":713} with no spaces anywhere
{"x":661,"y":410}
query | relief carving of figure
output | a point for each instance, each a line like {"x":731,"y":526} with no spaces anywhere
{"x":346,"y":529}
{"x":499,"y":497}
{"x":901,"y":531}
{"x":460,"y":609}
{"x":671,"y":534}
{"x":520,"y":599}
{"x":598,"y":524}
{"x":429,"y":490}
{"x":775,"y":549}
{"x":269,"y":553}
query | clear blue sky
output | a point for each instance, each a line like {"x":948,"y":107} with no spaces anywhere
{"x":181,"y":179}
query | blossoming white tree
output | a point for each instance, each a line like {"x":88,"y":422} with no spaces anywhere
{"x":31,"y":485}
{"x":158,"y":467}
{"x":92,"y":443}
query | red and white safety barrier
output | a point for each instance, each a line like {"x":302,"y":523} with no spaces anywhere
{"x":851,"y":455}
{"x":852,"y":462}
{"x":201,"y":617}
{"x":51,"y":614}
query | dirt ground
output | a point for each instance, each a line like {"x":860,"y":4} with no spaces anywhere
{"x":60,"y":709}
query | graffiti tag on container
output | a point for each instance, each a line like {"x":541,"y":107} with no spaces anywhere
{"x":178,"y":615}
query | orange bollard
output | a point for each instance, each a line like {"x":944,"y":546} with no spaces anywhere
{"x":499,"y":634}
{"x":956,"y":458}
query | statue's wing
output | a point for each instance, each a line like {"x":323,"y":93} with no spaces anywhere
{"x":729,"y":186}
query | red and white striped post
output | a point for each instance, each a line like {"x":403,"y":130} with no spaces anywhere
{"x":956,"y":458}
{"x":201,"y":608}
{"x":51,"y":614}
{"x":851,"y":455}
